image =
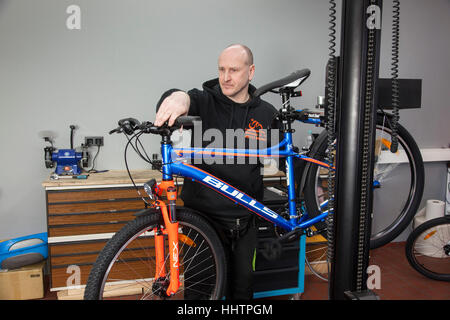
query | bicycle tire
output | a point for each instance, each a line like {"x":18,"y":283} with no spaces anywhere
{"x":403,"y":216}
{"x":316,"y":258}
{"x":428,"y":249}
{"x":131,"y":247}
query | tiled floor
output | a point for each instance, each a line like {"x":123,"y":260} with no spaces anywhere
{"x":399,"y":281}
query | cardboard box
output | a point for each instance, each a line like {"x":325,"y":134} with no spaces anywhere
{"x":23,"y":283}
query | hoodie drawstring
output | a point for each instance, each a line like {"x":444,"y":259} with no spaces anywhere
{"x":231,"y":117}
{"x":245,"y":117}
{"x":243,"y":120}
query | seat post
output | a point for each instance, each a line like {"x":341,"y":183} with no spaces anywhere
{"x":286,"y":102}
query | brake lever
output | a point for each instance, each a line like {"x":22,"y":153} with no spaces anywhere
{"x":147,"y":127}
{"x":118,"y":130}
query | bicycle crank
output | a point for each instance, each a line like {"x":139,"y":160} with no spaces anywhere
{"x":272,"y":248}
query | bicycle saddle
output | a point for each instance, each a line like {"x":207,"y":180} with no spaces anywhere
{"x":291,"y":81}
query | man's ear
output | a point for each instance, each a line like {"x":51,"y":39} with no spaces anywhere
{"x":251,"y":72}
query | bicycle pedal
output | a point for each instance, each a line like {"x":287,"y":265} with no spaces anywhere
{"x":271,"y":250}
{"x":291,"y":236}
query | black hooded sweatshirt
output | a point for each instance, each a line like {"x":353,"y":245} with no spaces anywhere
{"x":219,"y":112}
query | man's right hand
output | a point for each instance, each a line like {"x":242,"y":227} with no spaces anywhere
{"x":172,"y":107}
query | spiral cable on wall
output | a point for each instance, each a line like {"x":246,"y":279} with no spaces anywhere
{"x":330,"y":127}
{"x":364,"y":200}
{"x":394,"y":73}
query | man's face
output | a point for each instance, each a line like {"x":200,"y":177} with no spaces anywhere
{"x":235,"y":73}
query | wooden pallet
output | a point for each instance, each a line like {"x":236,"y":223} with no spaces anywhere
{"x":116,"y":290}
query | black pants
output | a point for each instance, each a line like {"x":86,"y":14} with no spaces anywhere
{"x":240,"y":244}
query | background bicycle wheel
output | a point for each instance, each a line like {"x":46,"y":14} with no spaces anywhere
{"x":402,"y":182}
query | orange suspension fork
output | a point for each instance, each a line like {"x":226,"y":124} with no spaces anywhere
{"x":160,"y":271}
{"x":171,"y":226}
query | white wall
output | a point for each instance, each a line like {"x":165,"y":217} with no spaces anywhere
{"x":128,"y":52}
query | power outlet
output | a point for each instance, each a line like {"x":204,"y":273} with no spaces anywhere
{"x":93,"y":141}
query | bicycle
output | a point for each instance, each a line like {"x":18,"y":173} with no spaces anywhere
{"x":403,"y":175}
{"x":428,"y":249}
{"x":197,"y":268}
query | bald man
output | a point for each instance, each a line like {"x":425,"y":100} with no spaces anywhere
{"x":227,"y":103}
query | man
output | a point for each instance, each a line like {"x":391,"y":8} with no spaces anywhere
{"x":227,"y":103}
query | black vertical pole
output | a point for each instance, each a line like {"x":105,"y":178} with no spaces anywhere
{"x":358,"y":70}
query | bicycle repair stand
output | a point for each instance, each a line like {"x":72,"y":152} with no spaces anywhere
{"x":357,"y":92}
{"x":355,"y":107}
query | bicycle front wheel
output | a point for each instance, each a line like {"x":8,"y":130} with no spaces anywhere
{"x":428,"y":249}
{"x":126,"y":267}
{"x":398,"y":183}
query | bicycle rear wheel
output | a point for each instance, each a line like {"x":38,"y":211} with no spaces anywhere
{"x":316,"y":257}
{"x":428,"y":249}
{"x":398,"y":183}
{"x":126,"y":267}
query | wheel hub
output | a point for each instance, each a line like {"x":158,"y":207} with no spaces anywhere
{"x":447,"y":249}
{"x":160,"y":286}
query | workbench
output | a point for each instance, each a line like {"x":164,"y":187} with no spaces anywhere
{"x":83,"y":214}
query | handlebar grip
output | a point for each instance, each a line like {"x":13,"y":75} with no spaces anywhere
{"x":128,"y":125}
{"x":187,"y":121}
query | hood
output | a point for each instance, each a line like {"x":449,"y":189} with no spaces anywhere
{"x":213,"y":87}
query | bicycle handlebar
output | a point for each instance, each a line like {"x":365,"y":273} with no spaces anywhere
{"x":130,"y":125}
{"x":297,"y":75}
{"x":187,"y":121}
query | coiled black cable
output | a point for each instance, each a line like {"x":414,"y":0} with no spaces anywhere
{"x":330,"y":126}
{"x":332,"y":29}
{"x":364,"y":196}
{"x":394,"y":73}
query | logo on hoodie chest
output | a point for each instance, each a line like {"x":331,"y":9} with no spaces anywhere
{"x":255,"y":131}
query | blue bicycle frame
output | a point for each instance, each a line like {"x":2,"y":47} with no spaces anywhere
{"x":172,"y":160}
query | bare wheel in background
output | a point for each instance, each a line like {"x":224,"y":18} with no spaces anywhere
{"x":428,"y":249}
{"x":398,"y":182}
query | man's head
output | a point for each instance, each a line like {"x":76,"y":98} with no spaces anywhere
{"x":236,"y":69}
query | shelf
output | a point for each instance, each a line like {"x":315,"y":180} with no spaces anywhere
{"x":428,"y":155}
